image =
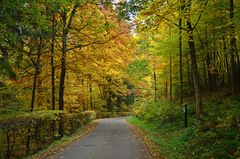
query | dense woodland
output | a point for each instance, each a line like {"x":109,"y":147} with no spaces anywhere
{"x":63,"y":61}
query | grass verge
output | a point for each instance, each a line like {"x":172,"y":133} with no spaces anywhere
{"x":165,"y":141}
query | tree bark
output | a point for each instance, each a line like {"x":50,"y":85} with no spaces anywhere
{"x":155,"y":84}
{"x":232,"y":48}
{"x":180,"y":60}
{"x":52,"y":62}
{"x":91,"y":98}
{"x":226,"y":61}
{"x":66,"y":25}
{"x":63,"y":61}
{"x":37,"y":70}
{"x":191,"y":43}
{"x":170,"y":78}
{"x":189,"y":74}
{"x":166,"y":89}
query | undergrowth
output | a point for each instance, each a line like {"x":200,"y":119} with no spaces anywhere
{"x":216,"y":136}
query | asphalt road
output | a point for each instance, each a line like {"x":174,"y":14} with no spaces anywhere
{"x":111,"y":139}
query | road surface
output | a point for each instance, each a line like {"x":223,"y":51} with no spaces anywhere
{"x":112,"y":139}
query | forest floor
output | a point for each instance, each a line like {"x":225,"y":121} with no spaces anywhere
{"x":112,"y":138}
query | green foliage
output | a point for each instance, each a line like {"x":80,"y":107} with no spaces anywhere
{"x":159,"y":112}
{"x":218,"y":135}
{"x":40,"y":128}
{"x":139,"y":69}
{"x":6,"y":69}
{"x":215,"y":136}
{"x":8,"y":99}
{"x":128,"y":9}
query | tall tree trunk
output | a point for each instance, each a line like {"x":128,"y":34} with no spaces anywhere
{"x":166,"y":89}
{"x":191,"y":43}
{"x":37,"y":70}
{"x":180,"y":60}
{"x":155,"y":84}
{"x":237,"y":55}
{"x":208,"y":62}
{"x":66,"y":25}
{"x":109,"y":95}
{"x":215,"y":73}
{"x":232,"y":48}
{"x":189,"y":74}
{"x":63,"y":72}
{"x":170,"y":78}
{"x":90,"y":92}
{"x":63,"y":61}
{"x":52,"y":61}
{"x":82,"y":96}
{"x":226,"y":61}
{"x":39,"y":93}
{"x":87,"y":94}
{"x":91,"y":98}
{"x":210,"y":78}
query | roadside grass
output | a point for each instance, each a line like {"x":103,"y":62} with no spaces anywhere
{"x":168,"y":137}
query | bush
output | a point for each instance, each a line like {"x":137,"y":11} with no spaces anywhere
{"x":217,"y":135}
{"x":160,"y":112}
{"x":27,"y":133}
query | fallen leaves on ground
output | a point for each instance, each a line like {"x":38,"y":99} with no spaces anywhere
{"x":152,"y":147}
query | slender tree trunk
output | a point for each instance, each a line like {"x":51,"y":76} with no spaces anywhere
{"x":208,"y":62}
{"x":63,"y":72}
{"x":39,"y":93}
{"x":189,"y":74}
{"x":214,"y":74}
{"x":180,"y":60}
{"x":109,"y":95}
{"x":63,"y":62}
{"x":87,"y":93}
{"x":66,"y":23}
{"x":82,"y":96}
{"x":37,"y":70}
{"x":205,"y":74}
{"x":191,"y":43}
{"x":52,"y":61}
{"x":34,"y":89}
{"x":170,"y":78}
{"x":236,"y":50}
{"x":155,"y":84}
{"x":210,"y":79}
{"x":226,"y":61}
{"x":166,"y":89}
{"x":90,"y":91}
{"x":232,"y":48}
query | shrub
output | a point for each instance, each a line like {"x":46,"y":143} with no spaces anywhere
{"x":160,"y":112}
{"x":27,"y":133}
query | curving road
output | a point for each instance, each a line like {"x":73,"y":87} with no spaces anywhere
{"x":112,"y":139}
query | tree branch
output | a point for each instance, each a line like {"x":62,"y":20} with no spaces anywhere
{"x":72,"y":14}
{"x":79,"y":46}
{"x":172,"y":22}
{"x":200,"y":15}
